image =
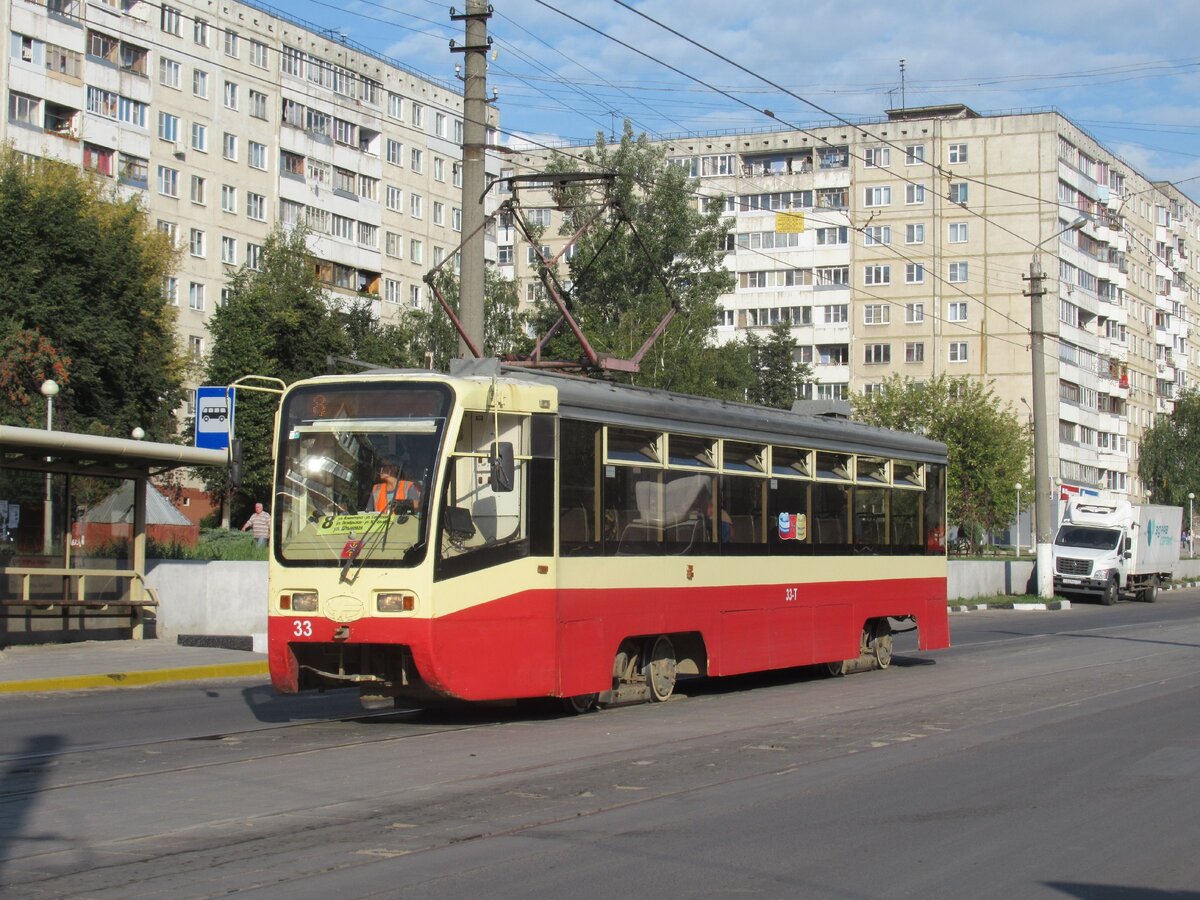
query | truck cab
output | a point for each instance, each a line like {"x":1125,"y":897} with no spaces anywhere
{"x":1111,"y":550}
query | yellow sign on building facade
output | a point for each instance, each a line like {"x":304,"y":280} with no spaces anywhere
{"x":789,"y":223}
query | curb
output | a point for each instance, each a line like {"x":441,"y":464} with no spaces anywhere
{"x":135,"y":679}
{"x":974,"y":607}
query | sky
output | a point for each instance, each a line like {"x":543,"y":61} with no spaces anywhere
{"x":567,"y":69}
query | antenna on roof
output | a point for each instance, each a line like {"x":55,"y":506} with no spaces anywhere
{"x":903,"y":62}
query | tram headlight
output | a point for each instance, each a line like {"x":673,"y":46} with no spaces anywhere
{"x":301,"y":601}
{"x":395,"y":601}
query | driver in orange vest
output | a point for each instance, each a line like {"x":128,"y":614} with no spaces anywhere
{"x":392,"y":487}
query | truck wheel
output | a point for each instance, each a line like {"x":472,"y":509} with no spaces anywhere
{"x":1109,"y":597}
{"x":1150,"y":591}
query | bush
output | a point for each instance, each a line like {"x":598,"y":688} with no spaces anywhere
{"x":215,"y":543}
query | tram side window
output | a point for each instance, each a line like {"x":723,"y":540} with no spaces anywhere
{"x":831,"y":518}
{"x":742,"y":507}
{"x":579,"y":525}
{"x":906,"y":521}
{"x":870,"y":517}
{"x":935,"y":510}
{"x":789,"y":517}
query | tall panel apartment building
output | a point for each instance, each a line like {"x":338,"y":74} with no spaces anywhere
{"x":918,"y":236}
{"x":225,"y":118}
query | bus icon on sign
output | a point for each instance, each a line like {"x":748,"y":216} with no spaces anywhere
{"x":219,"y":413}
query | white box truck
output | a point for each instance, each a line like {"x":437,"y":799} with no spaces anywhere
{"x":1116,"y":549}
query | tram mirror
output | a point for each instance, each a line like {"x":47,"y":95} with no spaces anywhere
{"x":458,"y":522}
{"x":502,"y":467}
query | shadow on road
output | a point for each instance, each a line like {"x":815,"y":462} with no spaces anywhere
{"x":1117,"y":892}
{"x":19,"y":791}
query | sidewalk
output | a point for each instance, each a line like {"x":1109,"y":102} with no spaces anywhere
{"x":109,"y":664}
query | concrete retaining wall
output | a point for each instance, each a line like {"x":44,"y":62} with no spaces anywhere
{"x":230,"y":598}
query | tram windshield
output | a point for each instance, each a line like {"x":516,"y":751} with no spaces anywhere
{"x":354,"y":475}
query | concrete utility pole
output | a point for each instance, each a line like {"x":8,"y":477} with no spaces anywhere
{"x":475,"y":112}
{"x":1041,"y":428}
{"x":1041,"y":440}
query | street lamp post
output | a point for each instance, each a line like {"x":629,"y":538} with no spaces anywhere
{"x":1041,"y":435}
{"x":49,"y":391}
{"x":1018,"y":553}
{"x":1191,"y":537}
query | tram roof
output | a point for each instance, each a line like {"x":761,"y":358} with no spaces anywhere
{"x":602,"y":401}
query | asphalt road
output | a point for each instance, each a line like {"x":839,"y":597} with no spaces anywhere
{"x":1047,"y":754}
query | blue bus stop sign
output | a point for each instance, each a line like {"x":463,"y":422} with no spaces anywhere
{"x":214,"y":417}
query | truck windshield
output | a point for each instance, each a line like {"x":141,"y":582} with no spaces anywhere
{"x":1088,"y":538}
{"x":353,"y":480}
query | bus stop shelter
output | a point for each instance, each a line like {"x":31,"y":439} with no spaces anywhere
{"x":39,"y":586}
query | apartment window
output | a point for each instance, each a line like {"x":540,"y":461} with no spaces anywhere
{"x":258,"y":54}
{"x":456,"y":174}
{"x":834,"y":314}
{"x":958,"y":272}
{"x":914,"y":273}
{"x":168,"y":127}
{"x":231,"y":95}
{"x":914,"y":154}
{"x":395,"y":106}
{"x":415,"y":250}
{"x":232,"y":43}
{"x":395,"y":152}
{"x":368,"y":235}
{"x":102,"y":103}
{"x":877,"y":314}
{"x":877,"y":157}
{"x":877,"y":274}
{"x":229,"y":147}
{"x":877,"y":196}
{"x":169,"y":72}
{"x":914,"y":193}
{"x":877,"y":354}
{"x":196,"y":299}
{"x":133,"y":170}
{"x":229,"y":250}
{"x":958,"y":311}
{"x":914,"y":352}
{"x":394,"y":198}
{"x":416,"y":114}
{"x":393,"y":245}
{"x":342,"y":227}
{"x":170,"y":229}
{"x":439,"y":169}
{"x":256,"y":207}
{"x":417,"y":160}
{"x":27,"y":110}
{"x":168,"y":181}
{"x":229,"y":198}
{"x":200,"y":83}
{"x":256,"y":155}
{"x":200,"y":31}
{"x":456,"y":218}
{"x":392,"y":290}
{"x":199,"y":137}
{"x":958,"y":351}
{"x":414,"y":296}
{"x":368,"y":187}
{"x":833,"y":237}
{"x":416,"y":207}
{"x":345,"y":181}
{"x":439,"y":124}
{"x":171,"y":290}
{"x":914,"y":313}
{"x":171,"y":20}
{"x":957,"y":153}
{"x":199,"y":189}
{"x":196,"y":242}
{"x":958,"y":232}
{"x":877,"y":234}
{"x":439,"y":213}
{"x":914,"y":233}
{"x":958,"y":192}
{"x":290,"y":212}
{"x":253,"y":256}
{"x":98,"y":159}
{"x":258,"y":104}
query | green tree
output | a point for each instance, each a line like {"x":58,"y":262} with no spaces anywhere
{"x":1170,"y":458}
{"x":987,"y":443}
{"x":778,"y":377}
{"x":26,"y":360}
{"x":84,"y":270}
{"x":277,"y":322}
{"x":623,"y":279}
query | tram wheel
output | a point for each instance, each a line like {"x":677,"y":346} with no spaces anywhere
{"x":881,"y":644}
{"x":834,"y":669}
{"x":661,"y":669}
{"x":580,"y":703}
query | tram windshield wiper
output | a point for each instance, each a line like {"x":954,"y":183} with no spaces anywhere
{"x":360,"y":553}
